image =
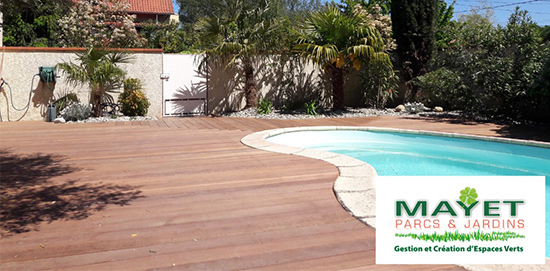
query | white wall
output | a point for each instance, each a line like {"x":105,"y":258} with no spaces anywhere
{"x":21,"y":65}
{"x":279,"y":78}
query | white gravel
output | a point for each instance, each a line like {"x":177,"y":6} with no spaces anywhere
{"x":111,"y":119}
{"x":347,"y":113}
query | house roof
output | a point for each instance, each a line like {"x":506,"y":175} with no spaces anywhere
{"x":151,"y":6}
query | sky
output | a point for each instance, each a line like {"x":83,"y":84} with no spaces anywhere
{"x":539,"y":10}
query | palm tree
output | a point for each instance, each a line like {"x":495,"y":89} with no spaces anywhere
{"x":98,"y":69}
{"x":237,"y":36}
{"x":337,"y":42}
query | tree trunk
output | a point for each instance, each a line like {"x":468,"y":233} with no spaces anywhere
{"x":95,"y":100}
{"x":250,"y":90}
{"x":337,"y":88}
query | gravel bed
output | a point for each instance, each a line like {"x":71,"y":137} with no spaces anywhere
{"x":347,"y":113}
{"x":111,"y":119}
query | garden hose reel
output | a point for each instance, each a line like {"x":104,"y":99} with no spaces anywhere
{"x":47,"y":74}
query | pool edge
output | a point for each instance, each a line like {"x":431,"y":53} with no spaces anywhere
{"x":355,"y":187}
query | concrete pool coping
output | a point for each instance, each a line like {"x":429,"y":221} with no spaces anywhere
{"x":355,"y":187}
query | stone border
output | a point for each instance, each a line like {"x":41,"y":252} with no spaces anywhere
{"x":355,"y":187}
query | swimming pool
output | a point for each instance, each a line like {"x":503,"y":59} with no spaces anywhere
{"x":405,"y":154}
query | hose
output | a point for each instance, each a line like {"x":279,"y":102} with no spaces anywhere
{"x":11,"y":98}
{"x":30,"y":94}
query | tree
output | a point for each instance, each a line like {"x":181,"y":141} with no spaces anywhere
{"x":493,"y":70}
{"x":100,"y":23}
{"x":337,"y":42}
{"x":32,"y":22}
{"x":445,"y":24}
{"x":384,"y":6}
{"x":287,"y":12}
{"x":375,"y":18}
{"x":192,"y":10}
{"x":414,"y":25}
{"x":237,"y":37}
{"x":168,"y":36}
{"x":98,"y":68}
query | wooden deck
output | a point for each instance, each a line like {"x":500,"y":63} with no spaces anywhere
{"x":179,"y":194}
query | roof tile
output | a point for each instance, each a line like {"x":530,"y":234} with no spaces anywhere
{"x":151,"y":6}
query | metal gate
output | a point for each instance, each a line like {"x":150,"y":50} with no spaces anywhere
{"x":184,"y":87}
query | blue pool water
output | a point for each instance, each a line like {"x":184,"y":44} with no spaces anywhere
{"x":400,"y":154}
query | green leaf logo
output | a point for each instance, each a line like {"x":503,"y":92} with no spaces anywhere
{"x":468,"y":195}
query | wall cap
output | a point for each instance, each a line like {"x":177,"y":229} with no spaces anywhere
{"x":72,"y":49}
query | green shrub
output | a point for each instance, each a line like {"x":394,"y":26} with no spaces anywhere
{"x":311,"y":108}
{"x":132,"y":84}
{"x":492,"y":70}
{"x":444,"y":88}
{"x":264,"y":107}
{"x":538,"y":105}
{"x":292,"y":105}
{"x":133,"y":101}
{"x":65,"y":101}
{"x":378,"y":80}
{"x":76,"y":112}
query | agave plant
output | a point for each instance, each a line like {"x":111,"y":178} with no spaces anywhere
{"x":339,"y":42}
{"x":98,"y":69}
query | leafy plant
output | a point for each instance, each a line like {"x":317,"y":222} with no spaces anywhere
{"x":105,"y":23}
{"x":444,"y":87}
{"x":132,"y":84}
{"x":292,"y":105}
{"x":76,"y":112}
{"x":98,"y":68}
{"x":168,"y":36}
{"x":133,"y":100}
{"x":65,"y":101}
{"x":264,"y":107}
{"x":379,"y":84}
{"x":492,"y":70}
{"x":32,"y":23}
{"x":243,"y":31}
{"x":339,"y":42}
{"x":468,"y":195}
{"x":311,"y":108}
{"x":414,"y":27}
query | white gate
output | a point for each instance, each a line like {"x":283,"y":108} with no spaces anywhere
{"x":184,"y":87}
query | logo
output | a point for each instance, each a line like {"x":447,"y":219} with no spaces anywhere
{"x":460,"y":220}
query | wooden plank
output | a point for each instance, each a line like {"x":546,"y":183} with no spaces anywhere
{"x":169,"y":122}
{"x":188,"y":122}
{"x":219,"y":124}
{"x":161,"y":123}
{"x":152,"y":123}
{"x":181,"y":123}
{"x":228,"y":124}
{"x":198,"y":124}
{"x":205,"y":121}
{"x":206,"y":201}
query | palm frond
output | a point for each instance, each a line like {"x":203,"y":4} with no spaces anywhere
{"x":320,"y":54}
{"x":329,"y":37}
{"x":120,"y":57}
{"x":75,"y":74}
